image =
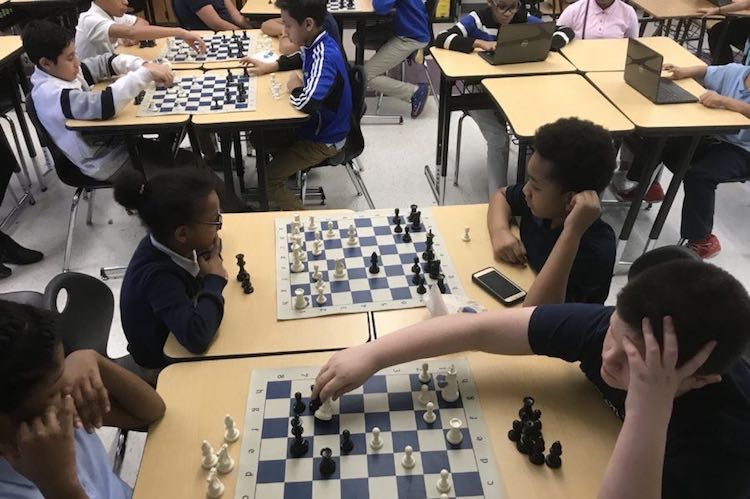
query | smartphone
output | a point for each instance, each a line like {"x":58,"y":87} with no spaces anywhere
{"x":499,"y":286}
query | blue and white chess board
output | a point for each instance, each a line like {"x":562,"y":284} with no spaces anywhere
{"x":388,"y":400}
{"x":200,"y":95}
{"x":359,"y":290}
{"x":219,"y":48}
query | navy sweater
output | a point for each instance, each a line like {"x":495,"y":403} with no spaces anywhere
{"x":158,"y":297}
{"x":410,"y":18}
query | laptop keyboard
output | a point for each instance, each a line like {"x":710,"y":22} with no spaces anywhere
{"x":669,"y":91}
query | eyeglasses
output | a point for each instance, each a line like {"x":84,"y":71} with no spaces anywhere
{"x":507,"y":10}
{"x":218,"y":223}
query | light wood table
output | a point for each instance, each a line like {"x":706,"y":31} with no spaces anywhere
{"x":467,"y":258}
{"x":10,"y":47}
{"x":249,"y":326}
{"x":459,"y":66}
{"x":199,"y":394}
{"x":11,"y":69}
{"x":610,"y":54}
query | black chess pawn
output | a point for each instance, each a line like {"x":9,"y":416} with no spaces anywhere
{"x":230,"y":77}
{"x":216,"y":105}
{"x":396,"y":216}
{"x":553,"y":458}
{"x":327,"y":464}
{"x":536,"y":457}
{"x":247,"y":286}
{"x":346,"y":442}
{"x":295,"y":421}
{"x":430,"y":237}
{"x":421,"y":289}
{"x":242,"y":274}
{"x":299,"y":406}
{"x":398,"y":229}
{"x":416,"y":268}
{"x":299,"y":446}
{"x":441,"y":283}
{"x":406,"y":237}
{"x":374,"y":269}
{"x":527,"y":411}
{"x":416,"y":279}
{"x":514,"y":434}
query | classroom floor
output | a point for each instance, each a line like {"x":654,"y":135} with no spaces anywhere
{"x":394,"y":159}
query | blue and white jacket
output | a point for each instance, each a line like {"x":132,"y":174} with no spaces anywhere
{"x":326,"y":94}
{"x":410,"y":18}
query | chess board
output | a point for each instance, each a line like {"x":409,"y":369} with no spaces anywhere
{"x":199,"y":95}
{"x":388,"y":400}
{"x":219,"y":48}
{"x":359,"y":290}
{"x":341,"y":5}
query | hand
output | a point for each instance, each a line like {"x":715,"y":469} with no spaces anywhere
{"x":211,"y":262}
{"x":508,"y":248}
{"x":81,"y":380}
{"x":259,"y":67}
{"x":712,"y":100}
{"x":294,"y":82}
{"x":484,"y":45}
{"x":674,"y":72}
{"x":654,"y":378}
{"x":127,"y":42}
{"x":345,"y":371}
{"x":584,"y":209}
{"x":193,"y":40}
{"x":44,"y":451}
{"x":161,"y":74}
{"x":709,"y":11}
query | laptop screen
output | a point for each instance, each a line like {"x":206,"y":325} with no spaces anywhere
{"x":643,"y":68}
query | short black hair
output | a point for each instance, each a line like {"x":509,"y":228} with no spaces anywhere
{"x":706,"y":303}
{"x":45,"y":39}
{"x":28,"y":345}
{"x":166,"y":201}
{"x":299,"y":10}
{"x":581,"y":153}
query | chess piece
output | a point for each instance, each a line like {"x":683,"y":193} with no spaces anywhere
{"x":421,"y":289}
{"x":424,"y":374}
{"x":299,"y":446}
{"x":416,"y":222}
{"x":450,"y":391}
{"x":226,"y":463}
{"x":346,"y":442}
{"x":297,"y":265}
{"x":416,"y":268}
{"x":316,"y":272}
{"x":396,"y":216}
{"x":429,"y":416}
{"x":536,"y":457}
{"x":215,"y":487}
{"x":441,"y":284}
{"x":300,"y":300}
{"x":398,"y":229}
{"x":325,"y":411}
{"x":514,"y":434}
{"x":553,"y":458}
{"x":406,"y":237}
{"x":527,"y":411}
{"x":352,"y":233}
{"x":374,"y":269}
{"x":321,"y":298}
{"x":327,"y":464}
{"x":296,"y":220}
{"x":443,"y":485}
{"x":424,"y":395}
{"x":209,"y":456}
{"x":299,"y":406}
{"x":340,"y":268}
{"x":330,"y":232}
{"x":317,"y":248}
{"x":434,"y":272}
{"x":454,"y":435}
{"x":231,"y":433}
{"x":466,"y":237}
{"x":408,"y":461}
{"x":413,"y":207}
{"x":311,"y":225}
{"x":376,"y":443}
{"x":247,"y":286}
{"x":416,"y":279}
{"x":319,"y":284}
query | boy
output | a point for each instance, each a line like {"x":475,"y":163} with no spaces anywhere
{"x":474,"y":31}
{"x":46,"y":403}
{"x":411,"y":32}
{"x":62,"y":90}
{"x":323,"y":92}
{"x":698,"y":409}
{"x":562,"y":237}
{"x":591,"y":19}
{"x":717,"y":159}
{"x":106,"y":21}
{"x":731,"y":32}
{"x":216,"y":15}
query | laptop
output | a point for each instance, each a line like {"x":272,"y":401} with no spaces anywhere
{"x":518,"y":43}
{"x":720,"y":3}
{"x":643,"y":73}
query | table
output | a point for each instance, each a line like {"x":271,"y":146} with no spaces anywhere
{"x":610,"y":54}
{"x":471,"y":68}
{"x":661,"y":122}
{"x":554,"y":97}
{"x":11,"y":49}
{"x":249,"y":326}
{"x":269,"y":114}
{"x":199,"y":394}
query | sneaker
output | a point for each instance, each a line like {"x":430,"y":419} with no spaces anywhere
{"x":705,"y":248}
{"x":654,"y":194}
{"x":419,"y":99}
{"x":12,"y":252}
{"x":4,"y":271}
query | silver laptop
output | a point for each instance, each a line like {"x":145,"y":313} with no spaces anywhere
{"x":518,"y":43}
{"x":643,"y":73}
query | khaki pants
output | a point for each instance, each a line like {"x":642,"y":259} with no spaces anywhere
{"x":387,"y":57}
{"x":297,"y":156}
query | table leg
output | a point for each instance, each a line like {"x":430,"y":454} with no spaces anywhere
{"x":261,"y":163}
{"x":16,"y":98}
{"x":359,"y":49}
{"x":225,"y":144}
{"x":700,"y":37}
{"x":521,"y":165}
{"x":437,"y":182}
{"x":135,"y":156}
{"x":660,"y":28}
{"x":195,"y":144}
{"x":239,"y":164}
{"x":443,"y":112}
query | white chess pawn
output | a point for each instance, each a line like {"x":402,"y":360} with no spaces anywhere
{"x":299,"y":250}
{"x":340,"y":268}
{"x":209,"y":456}
{"x":443,"y":485}
{"x":316,"y":272}
{"x":296,"y":234}
{"x":311,"y":225}
{"x":330,"y":232}
{"x":215,"y":487}
{"x":443,"y":496}
{"x":226,"y":463}
{"x":231,"y":433}
{"x":300,"y":300}
{"x":424,"y":374}
{"x":376,"y":442}
{"x":429,"y":416}
{"x":297,"y":265}
{"x":454,"y":435}
{"x":296,"y":219}
{"x":319,"y":284}
{"x":450,"y":392}
{"x":321,"y":298}
{"x":318,"y":235}
{"x":317,"y":247}
{"x":466,"y":237}
{"x":325,"y":411}
{"x":424,"y":394}
{"x":408,"y":460}
{"x":352,"y":233}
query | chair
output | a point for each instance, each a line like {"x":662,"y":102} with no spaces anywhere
{"x":70,"y":175}
{"x":33,"y":298}
{"x":355,"y":144}
{"x":84,"y":323}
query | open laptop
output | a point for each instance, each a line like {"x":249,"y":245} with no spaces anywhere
{"x":521,"y":43}
{"x":643,"y":73}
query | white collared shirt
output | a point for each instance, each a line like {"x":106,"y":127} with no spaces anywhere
{"x":189,"y":264}
{"x":619,"y":20}
{"x":92,"y":31}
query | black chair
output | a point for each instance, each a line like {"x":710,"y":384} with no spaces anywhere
{"x":33,"y":298}
{"x":355,"y":143}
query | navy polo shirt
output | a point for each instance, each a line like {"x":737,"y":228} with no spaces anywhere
{"x":186,"y":12}
{"x":708,"y":439}
{"x":591,"y":273}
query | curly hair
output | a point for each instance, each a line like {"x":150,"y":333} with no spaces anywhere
{"x":28,"y":344}
{"x":581,"y":153}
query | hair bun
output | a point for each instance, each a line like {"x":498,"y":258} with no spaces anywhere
{"x":131,"y":188}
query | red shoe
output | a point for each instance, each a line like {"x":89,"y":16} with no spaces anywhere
{"x":705,"y":248}
{"x":654,"y":194}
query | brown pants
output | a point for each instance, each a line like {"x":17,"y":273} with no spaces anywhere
{"x":298,"y":155}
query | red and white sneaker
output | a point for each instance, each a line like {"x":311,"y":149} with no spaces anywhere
{"x":654,"y":194}
{"x":705,"y":248}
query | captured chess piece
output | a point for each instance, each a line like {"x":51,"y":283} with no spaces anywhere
{"x":553,"y":458}
{"x":536,"y":456}
{"x":466,"y":237}
{"x":209,"y":456}
{"x":226,"y":463}
{"x":327,"y":464}
{"x":514,"y":434}
{"x":231,"y":433}
{"x":247,"y":286}
{"x":346,"y":442}
{"x":215,"y":487}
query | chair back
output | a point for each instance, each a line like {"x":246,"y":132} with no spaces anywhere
{"x":33,"y":298}
{"x":355,"y":141}
{"x":431,"y":7}
{"x":86,"y":318}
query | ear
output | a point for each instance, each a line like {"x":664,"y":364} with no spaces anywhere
{"x":181,"y":234}
{"x":46,"y":64}
{"x":309,"y":24}
{"x":568,"y":200}
{"x":697,"y":381}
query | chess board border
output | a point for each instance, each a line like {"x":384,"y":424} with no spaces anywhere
{"x":169,"y":53}
{"x":284,"y":302}
{"x":151,"y":91}
{"x":250,"y":450}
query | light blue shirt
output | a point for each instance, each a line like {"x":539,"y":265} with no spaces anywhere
{"x":94,"y":473}
{"x":729,"y":81}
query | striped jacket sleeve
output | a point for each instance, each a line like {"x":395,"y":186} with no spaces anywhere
{"x":562,"y":36}
{"x":321,"y":81}
{"x":460,"y":37}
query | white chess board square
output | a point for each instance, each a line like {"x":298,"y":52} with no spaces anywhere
{"x":299,"y":469}
{"x":397,"y":383}
{"x":447,"y":414}
{"x":381,"y":295}
{"x":334,"y":253}
{"x":359,"y":284}
{"x":353,"y":466}
{"x":383,"y":486}
{"x":277,"y":408}
{"x":355,"y":423}
{"x":462,"y":460}
{"x":431,"y":397}
{"x":273,"y":448}
{"x":365,"y":231}
{"x":431,"y":440}
{"x":355,"y":262}
{"x":376,"y":402}
{"x":269,"y":490}
{"x":401,"y":471}
{"x":302,"y":386}
{"x":400,"y":281}
{"x":403,"y":421}
{"x":322,"y":441}
{"x":384,"y":240}
{"x":387,"y":447}
{"x":328,"y":489}
{"x":390,"y":259}
{"x":430,"y":486}
{"x":342,"y":298}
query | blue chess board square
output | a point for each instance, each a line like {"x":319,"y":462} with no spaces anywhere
{"x":275,"y":428}
{"x":351,"y":252}
{"x":380,"y":465}
{"x":351,"y":403}
{"x":422,"y":425}
{"x":362,"y":222}
{"x":361,"y":297}
{"x":339,"y":286}
{"x":434,"y":461}
{"x":278,"y":389}
{"x":332,"y":243}
{"x":378,"y":282}
{"x":416,"y":385}
{"x":380,"y":419}
{"x":298,"y":490}
{"x":393,"y":270}
{"x":327,"y":427}
{"x":411,"y":487}
{"x":305,"y":289}
{"x":403,"y":438}
{"x":367,"y":241}
{"x":356,"y":273}
{"x":316,"y":470}
{"x":401,"y":293}
{"x":271,"y":471}
{"x":289,"y":447}
{"x":400,"y":401}
{"x":388,"y":249}
{"x":376,"y":384}
{"x":467,"y":484}
{"x":420,"y":247}
{"x":465,"y":443}
{"x":355,"y":488}
{"x":382,"y":230}
{"x":407,"y":258}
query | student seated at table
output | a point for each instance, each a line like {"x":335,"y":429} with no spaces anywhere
{"x":51,"y":405}
{"x":476,"y":30}
{"x":275,"y":28}
{"x":323,"y":92}
{"x":731,"y":32}
{"x":176,"y":276}
{"x":591,"y":19}
{"x":563,"y":239}
{"x":62,"y":90}
{"x":717,"y":159}
{"x":216,"y":15}
{"x":667,"y":359}
{"x":107,"y":21}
